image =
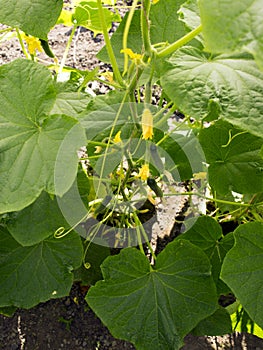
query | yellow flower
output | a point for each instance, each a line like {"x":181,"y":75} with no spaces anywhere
{"x":155,"y":1}
{"x":109,"y":76}
{"x":117,"y":137}
{"x":33,"y":44}
{"x":98,"y":149}
{"x":147,"y":124}
{"x":136,"y":57}
{"x":144,"y":172}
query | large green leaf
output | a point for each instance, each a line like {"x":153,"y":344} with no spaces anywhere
{"x":243,"y":269}
{"x":227,"y":87}
{"x":37,"y":222}
{"x":33,"y":17}
{"x":29,"y":275}
{"x":234,"y":159}
{"x":29,"y":138}
{"x":231,"y":26}
{"x":154,"y":308}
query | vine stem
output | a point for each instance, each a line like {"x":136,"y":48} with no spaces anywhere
{"x":247,"y":205}
{"x":112,"y":57}
{"x":145,"y":27}
{"x":126,"y":33}
{"x":22,"y":44}
{"x":65,"y":55}
{"x":179,"y":43}
{"x":139,"y":231}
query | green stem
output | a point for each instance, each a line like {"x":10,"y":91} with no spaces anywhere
{"x":22,"y":44}
{"x":65,"y":55}
{"x":6,"y":30}
{"x":247,"y":205}
{"x":166,"y":116}
{"x":145,"y":27}
{"x":112,"y":57}
{"x":139,"y":224}
{"x":179,"y":43}
{"x":126,"y":33}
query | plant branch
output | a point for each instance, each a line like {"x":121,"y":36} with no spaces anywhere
{"x":112,"y":57}
{"x":126,"y":33}
{"x":65,"y":55}
{"x":145,"y":27}
{"x":179,"y":43}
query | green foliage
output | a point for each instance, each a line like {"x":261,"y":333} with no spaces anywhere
{"x":80,"y":176}
{"x":37,"y":273}
{"x":234,"y":159}
{"x":194,"y":79}
{"x":240,"y":30}
{"x":36,"y":20}
{"x":243,"y":268}
{"x":217,"y":324}
{"x":147,"y":305}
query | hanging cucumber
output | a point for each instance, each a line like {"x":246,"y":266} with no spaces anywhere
{"x":153,"y":185}
{"x":46,"y":48}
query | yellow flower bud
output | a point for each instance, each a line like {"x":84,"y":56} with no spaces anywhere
{"x":147,"y":124}
{"x":98,"y":149}
{"x":144,"y":172}
{"x":117,"y":137}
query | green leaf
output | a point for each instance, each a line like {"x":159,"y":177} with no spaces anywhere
{"x":243,"y":323}
{"x":184,"y":149}
{"x":165,"y":24}
{"x":86,"y":15}
{"x":70,"y":103}
{"x":234,"y":159}
{"x":217,"y":324}
{"x":154,"y":308}
{"x":37,"y":221}
{"x":207,"y":234}
{"x":233,"y":26}
{"x":30,"y":275}
{"x":8,"y":311}
{"x":189,"y":14}
{"x":242,"y":269}
{"x":193,"y":80}
{"x":35,"y":18}
{"x":30,"y":138}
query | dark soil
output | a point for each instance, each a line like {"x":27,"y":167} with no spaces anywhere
{"x":68,"y":323}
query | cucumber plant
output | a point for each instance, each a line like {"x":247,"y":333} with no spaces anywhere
{"x":81,"y":176}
